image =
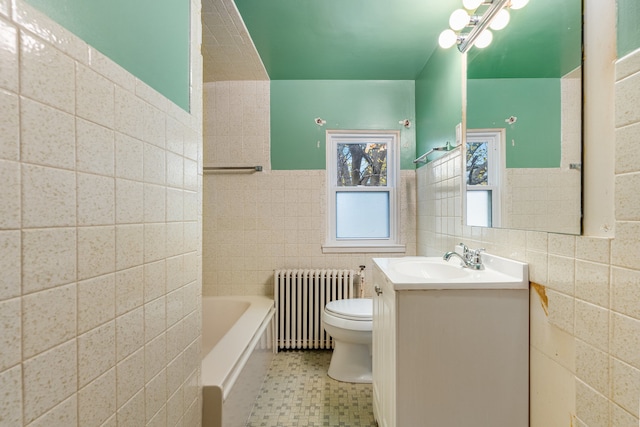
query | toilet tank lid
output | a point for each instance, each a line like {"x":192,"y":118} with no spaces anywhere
{"x":355,"y":308}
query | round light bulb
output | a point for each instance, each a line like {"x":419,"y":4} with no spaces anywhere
{"x":484,"y":39}
{"x":459,"y":19}
{"x":518,"y":4}
{"x":471,"y":4}
{"x":500,"y":20}
{"x":447,"y":39}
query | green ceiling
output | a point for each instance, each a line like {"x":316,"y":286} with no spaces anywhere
{"x":392,"y":40}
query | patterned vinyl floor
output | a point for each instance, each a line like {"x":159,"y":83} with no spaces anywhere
{"x":298,"y":392}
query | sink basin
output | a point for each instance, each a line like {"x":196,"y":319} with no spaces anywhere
{"x":409,"y":273}
{"x":429,"y":268}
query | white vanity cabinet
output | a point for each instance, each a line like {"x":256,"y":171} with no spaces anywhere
{"x":450,"y":357}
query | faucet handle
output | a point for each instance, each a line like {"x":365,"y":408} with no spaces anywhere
{"x":475,"y":256}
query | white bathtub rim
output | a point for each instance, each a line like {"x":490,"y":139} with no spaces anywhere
{"x":224,"y":362}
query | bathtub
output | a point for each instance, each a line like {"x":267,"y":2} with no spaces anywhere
{"x":236,"y":354}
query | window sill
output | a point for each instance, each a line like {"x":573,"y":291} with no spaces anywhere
{"x":342,"y":249}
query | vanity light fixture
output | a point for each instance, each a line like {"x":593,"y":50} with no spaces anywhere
{"x":495,"y":17}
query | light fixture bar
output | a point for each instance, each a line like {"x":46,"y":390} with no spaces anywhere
{"x":483,"y":24}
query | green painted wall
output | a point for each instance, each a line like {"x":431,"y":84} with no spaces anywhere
{"x":438,"y":101}
{"x":298,"y":143}
{"x":628,"y":27}
{"x":148,"y":38}
{"x":533,"y":141}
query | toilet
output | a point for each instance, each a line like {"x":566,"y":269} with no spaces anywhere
{"x":350,"y":322}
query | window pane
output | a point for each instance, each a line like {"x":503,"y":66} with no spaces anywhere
{"x":361,"y":164}
{"x":479,"y":208}
{"x":362,"y":215}
{"x":477,"y":163}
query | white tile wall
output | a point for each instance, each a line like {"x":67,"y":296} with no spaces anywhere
{"x":100,"y":187}
{"x":585,"y":323}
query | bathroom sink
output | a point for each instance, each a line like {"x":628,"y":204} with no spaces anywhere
{"x":409,"y":273}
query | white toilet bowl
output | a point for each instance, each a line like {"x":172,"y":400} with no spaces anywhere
{"x":350,"y":322}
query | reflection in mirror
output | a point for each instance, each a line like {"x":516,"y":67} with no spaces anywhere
{"x":524,"y":118}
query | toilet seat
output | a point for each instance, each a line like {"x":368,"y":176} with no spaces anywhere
{"x":351,"y":314}
{"x":351,"y":309}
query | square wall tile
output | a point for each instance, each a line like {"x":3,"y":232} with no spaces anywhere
{"x":48,"y":319}
{"x":627,"y":202}
{"x":175,"y":170}
{"x":46,"y":74}
{"x":96,"y":199}
{"x":129,"y":157}
{"x":95,"y":148}
{"x":129,"y":333}
{"x":131,"y":413}
{"x":48,"y":197}
{"x":155,"y":242}
{"x":10,"y":264}
{"x":96,"y":353}
{"x":626,"y":386}
{"x":155,"y":394}
{"x":96,"y":251}
{"x":129,"y":246}
{"x":155,"y":198}
{"x":591,"y":406}
{"x":592,"y":325}
{"x":10,"y":195}
{"x":154,"y":164}
{"x":97,"y":401}
{"x":9,"y":56}
{"x":561,"y":310}
{"x":63,"y":414}
{"x":155,"y":279}
{"x":155,"y":356}
{"x":625,"y":339}
{"x":627,"y":149}
{"x":129,"y":201}
{"x":95,"y":97}
{"x":10,"y":125}
{"x":625,"y":248}
{"x":562,"y":244}
{"x":627,"y":93}
{"x":11,"y":396}
{"x":129,"y":289}
{"x":155,"y":318}
{"x":48,"y":258}
{"x":175,"y":204}
{"x":592,"y":283}
{"x":96,"y":302}
{"x":10,"y":333}
{"x":562,"y":274}
{"x":49,"y":378}
{"x":130,"y":377}
{"x":625,"y":292}
{"x":592,"y":367}
{"x":594,"y":249}
{"x":128,"y":113}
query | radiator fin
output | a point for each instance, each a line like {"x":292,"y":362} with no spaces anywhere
{"x":300,"y":297}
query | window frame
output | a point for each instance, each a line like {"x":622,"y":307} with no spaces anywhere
{"x":362,"y":245}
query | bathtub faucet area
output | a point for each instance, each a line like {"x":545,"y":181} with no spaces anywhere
{"x":470,"y":258}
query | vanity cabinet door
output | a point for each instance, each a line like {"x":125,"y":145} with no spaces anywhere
{"x":384,"y":351}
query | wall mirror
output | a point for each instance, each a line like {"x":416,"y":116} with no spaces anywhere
{"x":524,"y":122}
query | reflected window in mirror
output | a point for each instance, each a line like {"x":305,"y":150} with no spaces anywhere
{"x":482,"y":177}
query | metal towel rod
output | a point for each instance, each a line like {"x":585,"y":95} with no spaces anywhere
{"x":231,"y":168}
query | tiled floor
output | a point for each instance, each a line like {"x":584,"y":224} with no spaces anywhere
{"x":298,"y":392}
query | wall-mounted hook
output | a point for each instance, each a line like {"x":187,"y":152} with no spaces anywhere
{"x":511,"y":120}
{"x":406,"y":123}
{"x":319,"y":121}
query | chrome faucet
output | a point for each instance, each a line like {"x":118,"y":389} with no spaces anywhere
{"x":470,"y":258}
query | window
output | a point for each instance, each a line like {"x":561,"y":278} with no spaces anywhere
{"x":362,"y":199}
{"x":482,"y":178}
